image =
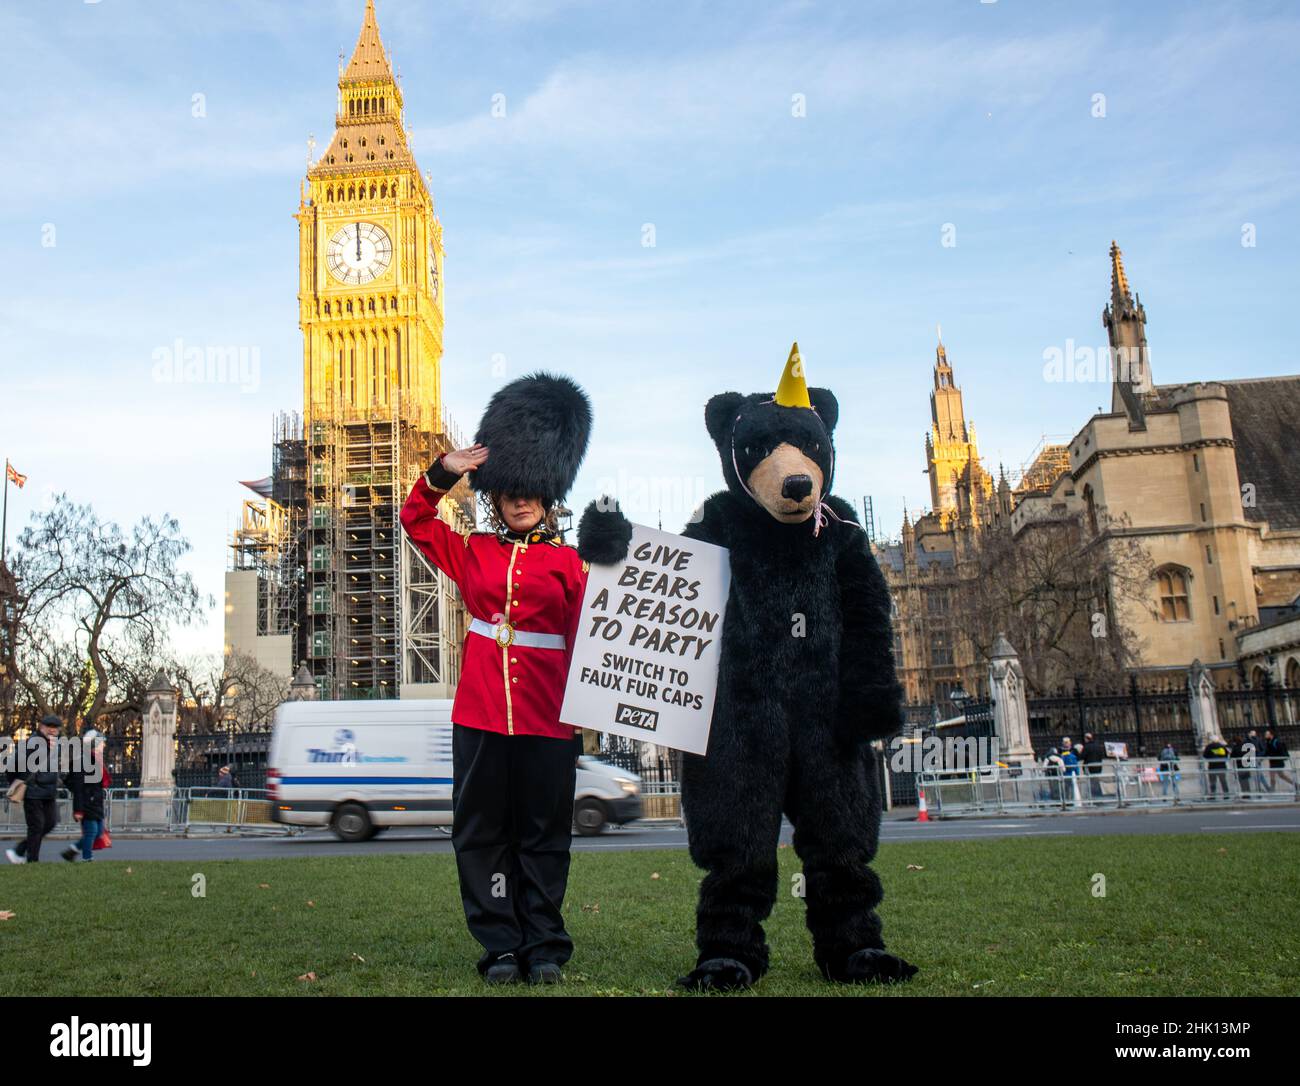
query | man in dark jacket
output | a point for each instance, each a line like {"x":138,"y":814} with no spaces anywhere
{"x":1277,"y":753}
{"x":1216,"y":766}
{"x":1244,"y":761}
{"x":1094,"y":753}
{"x":40,"y":805}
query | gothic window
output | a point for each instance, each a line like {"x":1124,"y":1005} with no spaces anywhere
{"x":1172,"y":588}
{"x":1292,"y":673}
{"x":1090,"y":498}
{"x":349,"y":305}
{"x":381,"y":110}
{"x":327,"y":309}
{"x":940,"y":650}
{"x":372,"y":305}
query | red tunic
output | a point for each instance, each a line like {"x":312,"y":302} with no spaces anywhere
{"x":538,"y":587}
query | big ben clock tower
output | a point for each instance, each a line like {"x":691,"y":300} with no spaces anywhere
{"x":370,"y":298}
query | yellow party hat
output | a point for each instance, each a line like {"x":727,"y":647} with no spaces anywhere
{"x":793,"y":389}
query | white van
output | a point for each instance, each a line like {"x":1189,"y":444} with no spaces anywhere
{"x":361,"y":766}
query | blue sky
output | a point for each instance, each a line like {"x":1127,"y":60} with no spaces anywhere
{"x":827,"y":228}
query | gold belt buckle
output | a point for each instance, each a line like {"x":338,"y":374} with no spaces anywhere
{"x":505,"y":635}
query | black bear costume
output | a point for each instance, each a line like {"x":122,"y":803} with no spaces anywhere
{"x":806,"y":681}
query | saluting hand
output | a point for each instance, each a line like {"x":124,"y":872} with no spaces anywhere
{"x":463,"y":460}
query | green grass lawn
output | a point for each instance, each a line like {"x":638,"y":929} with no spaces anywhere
{"x":1182,"y":915}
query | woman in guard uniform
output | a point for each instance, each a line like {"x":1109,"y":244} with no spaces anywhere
{"x":514,"y":761}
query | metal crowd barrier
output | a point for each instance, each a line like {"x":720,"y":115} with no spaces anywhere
{"x":1135,"y":783}
{"x":127,"y":810}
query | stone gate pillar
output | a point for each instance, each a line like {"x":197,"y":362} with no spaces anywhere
{"x":1204,"y":704}
{"x":1010,"y":710}
{"x":158,"y":752}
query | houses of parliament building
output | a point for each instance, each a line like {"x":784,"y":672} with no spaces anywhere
{"x":1199,"y":474}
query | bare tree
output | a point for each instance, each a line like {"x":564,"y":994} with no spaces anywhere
{"x":1056,"y":591}
{"x":95,"y":609}
{"x":216,"y":690}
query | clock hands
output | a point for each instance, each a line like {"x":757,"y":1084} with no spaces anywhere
{"x":358,"y":243}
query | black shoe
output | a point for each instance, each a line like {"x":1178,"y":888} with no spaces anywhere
{"x":544,"y":973}
{"x":505,"y":970}
{"x":70,"y":854}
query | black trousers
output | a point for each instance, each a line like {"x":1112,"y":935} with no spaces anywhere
{"x":512,"y":822}
{"x":42,"y":816}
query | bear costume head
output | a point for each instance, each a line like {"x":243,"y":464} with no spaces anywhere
{"x":776,"y":447}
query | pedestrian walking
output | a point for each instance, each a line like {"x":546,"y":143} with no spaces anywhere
{"x":225,"y":779}
{"x":1216,"y":767}
{"x":1277,"y":753}
{"x":1070,"y":759}
{"x":1168,"y":769}
{"x":1094,"y":753}
{"x":38,"y":783}
{"x":1259,"y":764}
{"x":88,"y":787}
{"x":1053,"y":768}
{"x":1243,"y":764}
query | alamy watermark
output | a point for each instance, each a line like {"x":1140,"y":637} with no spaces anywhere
{"x":180,"y":364}
{"x":1080,"y":364}
{"x":935,"y":753}
{"x":62,"y":755}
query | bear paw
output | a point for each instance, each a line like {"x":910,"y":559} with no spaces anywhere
{"x":871,"y":966}
{"x":717,"y":975}
{"x":604,"y":533}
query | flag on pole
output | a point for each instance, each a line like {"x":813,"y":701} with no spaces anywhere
{"x":13,"y":476}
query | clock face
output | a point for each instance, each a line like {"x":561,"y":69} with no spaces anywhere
{"x":433,"y":270}
{"x":359,"y":253}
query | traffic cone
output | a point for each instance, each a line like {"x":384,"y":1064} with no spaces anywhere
{"x":923,"y":814}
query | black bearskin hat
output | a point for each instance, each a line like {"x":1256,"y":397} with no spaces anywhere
{"x":536,"y":431}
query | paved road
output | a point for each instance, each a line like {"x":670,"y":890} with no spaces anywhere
{"x":652,"y":836}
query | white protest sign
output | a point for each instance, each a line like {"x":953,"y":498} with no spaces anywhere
{"x":645,"y":659}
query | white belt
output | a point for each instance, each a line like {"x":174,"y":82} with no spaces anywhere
{"x":505,"y":635}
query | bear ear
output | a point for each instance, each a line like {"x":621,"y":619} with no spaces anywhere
{"x":826,"y":406}
{"x":720,"y":413}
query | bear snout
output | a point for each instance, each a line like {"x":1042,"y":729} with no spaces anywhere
{"x":797,"y":487}
{"x":787,"y":483}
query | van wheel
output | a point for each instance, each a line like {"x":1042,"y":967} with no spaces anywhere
{"x":590,"y":817}
{"x":351,"y":822}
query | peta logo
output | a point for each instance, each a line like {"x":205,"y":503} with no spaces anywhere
{"x":636,"y":717}
{"x":113,"y":1039}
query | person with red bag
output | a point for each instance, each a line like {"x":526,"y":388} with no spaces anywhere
{"x":88,"y":786}
{"x":514,"y":761}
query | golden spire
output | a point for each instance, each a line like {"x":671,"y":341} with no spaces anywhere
{"x":1118,"y":280}
{"x":369,"y":61}
{"x":793,"y":389}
